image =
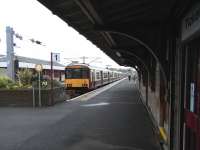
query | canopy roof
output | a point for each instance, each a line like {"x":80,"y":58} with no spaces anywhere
{"x":130,"y":31}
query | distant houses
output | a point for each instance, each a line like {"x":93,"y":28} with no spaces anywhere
{"x":25,"y":62}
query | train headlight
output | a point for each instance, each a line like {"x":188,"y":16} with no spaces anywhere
{"x":69,"y":85}
{"x":84,"y":85}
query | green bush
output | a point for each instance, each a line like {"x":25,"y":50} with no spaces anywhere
{"x":6,"y":83}
{"x":13,"y":86}
{"x":24,"y":77}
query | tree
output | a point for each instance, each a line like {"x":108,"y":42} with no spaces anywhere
{"x":24,"y":77}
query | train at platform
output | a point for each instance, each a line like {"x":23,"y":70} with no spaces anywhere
{"x":85,"y":77}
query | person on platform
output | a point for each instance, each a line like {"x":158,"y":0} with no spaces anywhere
{"x":129,"y":77}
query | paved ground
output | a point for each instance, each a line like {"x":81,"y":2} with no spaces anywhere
{"x":113,"y":120}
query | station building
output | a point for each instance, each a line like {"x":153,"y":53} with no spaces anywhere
{"x":25,"y":62}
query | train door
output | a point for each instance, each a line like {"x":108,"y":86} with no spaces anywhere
{"x":191,"y":138}
{"x":93,"y":78}
{"x":101,"y":72}
{"x":108,"y":77}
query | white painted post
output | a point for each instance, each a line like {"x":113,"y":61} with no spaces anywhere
{"x":40,"y":102}
{"x":33,"y":96}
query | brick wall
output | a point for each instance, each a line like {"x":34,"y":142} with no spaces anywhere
{"x":24,"y":97}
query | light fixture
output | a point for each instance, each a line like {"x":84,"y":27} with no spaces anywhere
{"x":118,"y":54}
{"x":136,"y":67}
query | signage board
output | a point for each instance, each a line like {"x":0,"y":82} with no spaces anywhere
{"x":191,"y":24}
{"x":56,"y":57}
{"x":192,"y":97}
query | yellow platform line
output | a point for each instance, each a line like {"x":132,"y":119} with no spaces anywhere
{"x":163,"y":134}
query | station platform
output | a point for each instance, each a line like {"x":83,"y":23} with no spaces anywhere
{"x":115,"y":119}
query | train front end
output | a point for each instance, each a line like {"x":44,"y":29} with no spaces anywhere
{"x":77,"y":77}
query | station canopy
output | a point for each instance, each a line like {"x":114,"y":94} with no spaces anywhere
{"x":129,"y":31}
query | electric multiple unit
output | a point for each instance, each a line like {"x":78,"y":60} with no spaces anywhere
{"x":85,"y":77}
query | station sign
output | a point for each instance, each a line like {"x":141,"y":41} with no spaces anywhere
{"x":191,"y":24}
{"x":192,"y":97}
{"x":56,"y":57}
{"x":38,"y":67}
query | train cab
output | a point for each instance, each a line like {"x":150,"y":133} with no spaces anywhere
{"x":77,"y":77}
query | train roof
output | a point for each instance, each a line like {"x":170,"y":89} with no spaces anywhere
{"x":77,"y":64}
{"x":85,"y":66}
{"x":92,"y":67}
{"x":89,"y":66}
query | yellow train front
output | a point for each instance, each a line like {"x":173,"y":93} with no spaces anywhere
{"x":77,"y":77}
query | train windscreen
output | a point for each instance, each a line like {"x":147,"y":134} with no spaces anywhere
{"x":76,"y":73}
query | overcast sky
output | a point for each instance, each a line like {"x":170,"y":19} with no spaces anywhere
{"x":32,"y":20}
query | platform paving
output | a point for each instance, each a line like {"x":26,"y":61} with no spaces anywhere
{"x":115,"y":119}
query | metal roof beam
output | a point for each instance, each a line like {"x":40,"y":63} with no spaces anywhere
{"x":91,"y":10}
{"x":85,"y":11}
{"x":91,"y":13}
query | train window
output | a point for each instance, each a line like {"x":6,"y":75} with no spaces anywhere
{"x":111,"y":74}
{"x":98,"y":75}
{"x":85,"y":73}
{"x":115,"y":75}
{"x":105,"y":75}
{"x":76,"y":73}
